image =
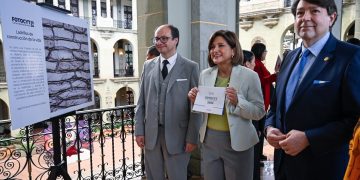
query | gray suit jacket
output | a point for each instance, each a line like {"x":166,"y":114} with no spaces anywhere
{"x":181,"y":125}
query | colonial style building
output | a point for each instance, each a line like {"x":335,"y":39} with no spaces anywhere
{"x":113,"y":34}
{"x":271,"y":22}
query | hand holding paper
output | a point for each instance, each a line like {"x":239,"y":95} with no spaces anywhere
{"x":231,"y":95}
{"x":192,"y":94}
{"x":210,"y":100}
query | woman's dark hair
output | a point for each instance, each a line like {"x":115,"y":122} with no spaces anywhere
{"x":329,"y":5}
{"x":248,"y":56}
{"x":232,"y":40}
{"x":258,"y":49}
{"x":153,"y":51}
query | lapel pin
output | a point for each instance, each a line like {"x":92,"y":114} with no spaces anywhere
{"x":326,"y":59}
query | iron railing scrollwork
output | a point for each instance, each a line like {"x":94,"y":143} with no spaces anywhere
{"x":99,"y":144}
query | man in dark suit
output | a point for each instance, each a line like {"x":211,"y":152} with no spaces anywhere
{"x":317,"y":100}
{"x":165,"y":125}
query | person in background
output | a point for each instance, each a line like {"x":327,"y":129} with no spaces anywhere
{"x":249,"y":59}
{"x":266,"y":80}
{"x":152,"y":52}
{"x":249,"y":62}
{"x":317,"y":100}
{"x":164,"y":124}
{"x":228,"y":140}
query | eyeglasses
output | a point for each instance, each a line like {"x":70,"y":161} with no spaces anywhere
{"x":163,"y":39}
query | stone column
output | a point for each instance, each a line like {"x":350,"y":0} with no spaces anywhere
{"x":134,"y":15}
{"x":67,"y":5}
{"x":150,"y":14}
{"x":98,"y":9}
{"x":196,"y":21}
{"x":336,"y":29}
{"x":56,"y":3}
{"x":108,"y":10}
{"x":204,"y":22}
{"x":84,"y":8}
{"x":357,"y":20}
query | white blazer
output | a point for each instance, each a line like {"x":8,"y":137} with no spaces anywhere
{"x":250,"y":105}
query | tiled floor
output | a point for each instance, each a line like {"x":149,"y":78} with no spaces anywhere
{"x":267,"y":170}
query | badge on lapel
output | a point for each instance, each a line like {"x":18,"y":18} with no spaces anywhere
{"x":326,"y":58}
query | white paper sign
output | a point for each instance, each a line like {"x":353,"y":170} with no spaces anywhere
{"x":210,"y":100}
{"x":43,"y":50}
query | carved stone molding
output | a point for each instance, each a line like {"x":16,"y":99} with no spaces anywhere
{"x":263,"y":13}
{"x":123,"y":80}
{"x":268,"y":16}
{"x":246,"y":25}
{"x":349,"y":2}
{"x":106,"y":34}
{"x":271,"y":21}
{"x":99,"y":81}
{"x":3,"y":86}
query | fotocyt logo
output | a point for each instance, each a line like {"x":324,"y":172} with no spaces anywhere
{"x":21,"y":21}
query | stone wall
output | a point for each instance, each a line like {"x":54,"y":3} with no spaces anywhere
{"x":68,"y":64}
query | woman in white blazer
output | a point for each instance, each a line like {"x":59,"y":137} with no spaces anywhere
{"x":228,"y":140}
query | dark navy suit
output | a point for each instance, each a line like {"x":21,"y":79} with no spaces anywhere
{"x":325,"y":106}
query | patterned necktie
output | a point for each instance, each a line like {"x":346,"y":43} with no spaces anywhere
{"x":164,"y":70}
{"x":293,"y":81}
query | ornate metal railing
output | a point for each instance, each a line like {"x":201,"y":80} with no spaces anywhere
{"x":95,"y":144}
{"x":119,"y":24}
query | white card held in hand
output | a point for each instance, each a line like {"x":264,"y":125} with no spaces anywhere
{"x":210,"y":100}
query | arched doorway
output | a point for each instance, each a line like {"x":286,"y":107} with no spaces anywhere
{"x":350,"y":31}
{"x":4,"y":115}
{"x":123,"y":59}
{"x":4,"y":109}
{"x":258,"y":39}
{"x":124,"y":96}
{"x":289,"y":39}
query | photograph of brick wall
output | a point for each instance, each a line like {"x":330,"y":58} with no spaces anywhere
{"x":67,"y":64}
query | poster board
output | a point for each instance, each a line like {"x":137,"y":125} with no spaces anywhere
{"x":47,"y":61}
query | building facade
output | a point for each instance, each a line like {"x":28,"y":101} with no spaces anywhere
{"x":113,"y":34}
{"x":272,"y":23}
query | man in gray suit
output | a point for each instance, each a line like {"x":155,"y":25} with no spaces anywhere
{"x":165,"y":125}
